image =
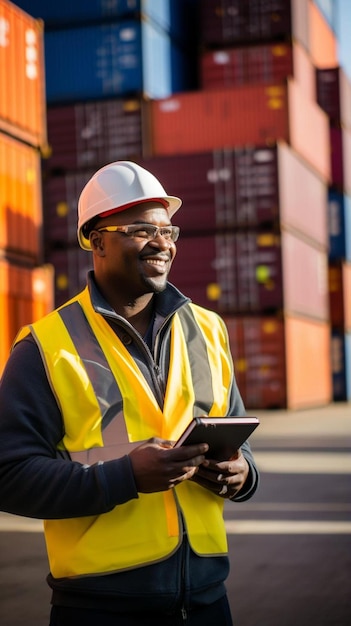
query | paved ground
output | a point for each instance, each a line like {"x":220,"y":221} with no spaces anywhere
{"x":290,"y":546}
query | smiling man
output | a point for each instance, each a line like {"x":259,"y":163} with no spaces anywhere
{"x":93,"y":397}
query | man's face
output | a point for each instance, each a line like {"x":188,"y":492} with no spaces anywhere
{"x":134,"y":265}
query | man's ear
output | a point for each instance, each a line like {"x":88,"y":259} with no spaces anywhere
{"x":97,"y":242}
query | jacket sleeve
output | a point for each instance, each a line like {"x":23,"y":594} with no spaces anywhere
{"x":36,"y":480}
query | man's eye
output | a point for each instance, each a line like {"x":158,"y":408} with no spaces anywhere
{"x":143,"y":232}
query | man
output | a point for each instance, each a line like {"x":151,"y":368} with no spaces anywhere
{"x":92,"y":397}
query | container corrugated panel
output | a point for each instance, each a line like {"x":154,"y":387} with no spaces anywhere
{"x":340,"y":141}
{"x":257,"y":115}
{"x":323,"y":45}
{"x":245,"y":188}
{"x":70,"y":271}
{"x":225,"y":22}
{"x":334,"y":95}
{"x":22,"y":76}
{"x":308,"y":362}
{"x":67,"y":12}
{"x":339,"y":225}
{"x":26,"y":295}
{"x":61,"y":194}
{"x":91,"y":134}
{"x":21,"y":217}
{"x":265,"y":64}
{"x":257,"y":345}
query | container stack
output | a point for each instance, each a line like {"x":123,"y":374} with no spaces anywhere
{"x":249,"y":152}
{"x":220,"y":99}
{"x":26,"y":285}
{"x":334,"y":96}
{"x":104,"y":61}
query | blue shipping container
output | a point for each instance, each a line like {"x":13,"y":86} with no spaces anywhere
{"x":339,"y":215}
{"x":69,"y":12}
{"x":117,"y":59}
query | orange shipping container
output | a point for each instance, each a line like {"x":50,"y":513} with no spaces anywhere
{"x":26,"y":295}
{"x":254,"y":114}
{"x":22,"y":82}
{"x":20,"y":199}
{"x":308,"y":363}
{"x":322,"y":40}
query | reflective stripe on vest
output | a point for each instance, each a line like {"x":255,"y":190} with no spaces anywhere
{"x":107,"y":408}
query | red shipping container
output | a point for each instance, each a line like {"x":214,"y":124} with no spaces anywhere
{"x":21,"y":217}
{"x":237,"y":22}
{"x":89,"y":135}
{"x":258,"y":348}
{"x":340,"y":140}
{"x":334,"y":95}
{"x":22,"y":76}
{"x":255,"y":115}
{"x":26,"y":295}
{"x":245,"y":188}
{"x":281,"y":362}
{"x":265,"y":64}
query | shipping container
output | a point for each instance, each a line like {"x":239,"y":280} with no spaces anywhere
{"x":340,"y":295}
{"x":21,"y":216}
{"x":253,"y":272}
{"x":71,"y":265}
{"x":258,"y":349}
{"x":65,"y":13}
{"x":61,"y":194}
{"x":234,"y":22}
{"x":334,"y":95}
{"x":341,"y":365}
{"x":115,"y":59}
{"x":281,"y":362}
{"x":265,"y":64}
{"x":340,"y":156}
{"x":339,"y":225}
{"x":245,"y":188}
{"x":174,"y":16}
{"x":308,"y":363}
{"x":26,"y":295}
{"x":323,"y":44}
{"x":255,"y":115}
{"x":22,"y":76}
{"x":329,"y":9}
{"x":90,"y":134}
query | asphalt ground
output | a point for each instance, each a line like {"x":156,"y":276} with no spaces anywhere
{"x":290,"y":546}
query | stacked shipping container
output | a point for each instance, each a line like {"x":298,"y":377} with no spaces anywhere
{"x":25,"y":285}
{"x":334,"y":96}
{"x":248,"y":151}
{"x":254,"y":221}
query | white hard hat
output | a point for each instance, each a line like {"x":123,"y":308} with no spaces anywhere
{"x":115,"y":188}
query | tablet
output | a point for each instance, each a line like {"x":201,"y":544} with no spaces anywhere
{"x":224,"y":435}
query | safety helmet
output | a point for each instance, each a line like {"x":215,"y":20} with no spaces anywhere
{"x":116,"y":187}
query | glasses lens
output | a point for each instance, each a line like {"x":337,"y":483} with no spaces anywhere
{"x":149,"y":232}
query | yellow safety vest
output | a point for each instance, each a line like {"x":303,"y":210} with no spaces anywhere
{"x":80,"y":352}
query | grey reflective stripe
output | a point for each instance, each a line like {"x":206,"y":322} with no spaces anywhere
{"x":199,"y":364}
{"x":103,"y":382}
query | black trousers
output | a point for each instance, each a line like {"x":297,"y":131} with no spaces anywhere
{"x":216,"y":614}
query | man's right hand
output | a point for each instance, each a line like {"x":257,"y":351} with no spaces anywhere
{"x":157,"y":466}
